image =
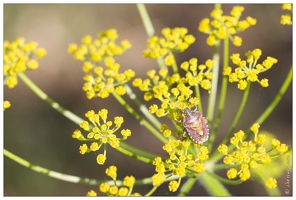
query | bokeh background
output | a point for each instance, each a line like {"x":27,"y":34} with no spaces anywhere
{"x":39,"y":134}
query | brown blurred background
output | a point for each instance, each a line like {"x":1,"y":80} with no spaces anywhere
{"x":39,"y":134}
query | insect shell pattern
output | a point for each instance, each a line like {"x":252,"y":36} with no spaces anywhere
{"x":195,"y":125}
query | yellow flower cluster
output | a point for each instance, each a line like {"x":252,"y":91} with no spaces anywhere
{"x":175,"y":91}
{"x":248,"y":70}
{"x":179,"y":163}
{"x":199,"y":74}
{"x":100,"y":82}
{"x":286,"y":19}
{"x":114,"y":190}
{"x":222,"y":26}
{"x":99,"y":48}
{"x":101,"y":132}
{"x":103,"y":82}
{"x":174,"y":40}
{"x":249,"y":154}
{"x":19,"y":57}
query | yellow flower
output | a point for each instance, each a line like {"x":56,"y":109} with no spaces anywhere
{"x":101,"y":158}
{"x":120,"y":90}
{"x":223,"y":149}
{"x":242,"y":84}
{"x":282,"y":148}
{"x":237,"y":41}
{"x":232,"y":173}
{"x":6,"y":104}
{"x":264,"y":82}
{"x":91,"y":193}
{"x":83,"y":149}
{"x":199,"y":167}
{"x":286,"y":19}
{"x":287,"y":6}
{"x":123,"y":191}
{"x":41,"y":52}
{"x":129,"y":181}
{"x":86,"y":39}
{"x":113,"y":190}
{"x":94,"y":146}
{"x":173,"y":186}
{"x":271,"y":183}
{"x":104,"y":187}
{"x":112,"y":172}
{"x":157,"y":179}
{"x":245,"y":175}
{"x":255,"y":128}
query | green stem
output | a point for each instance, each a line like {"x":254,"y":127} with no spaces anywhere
{"x":212,"y":97}
{"x":151,"y":191}
{"x":132,"y":155}
{"x":174,"y":66}
{"x":213,"y":186}
{"x":142,"y":121}
{"x":50,"y":173}
{"x":146,"y":19}
{"x":237,"y":117}
{"x":197,"y":93}
{"x":226,"y":181}
{"x":71,"y":116}
{"x":222,"y":95}
{"x":142,"y":107}
{"x":138,"y":151}
{"x":238,"y":114}
{"x":71,"y":178}
{"x":186,"y":187}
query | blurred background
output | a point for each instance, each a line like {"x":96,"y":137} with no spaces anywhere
{"x":39,"y":134}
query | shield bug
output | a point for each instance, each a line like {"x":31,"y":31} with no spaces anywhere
{"x":195,"y":125}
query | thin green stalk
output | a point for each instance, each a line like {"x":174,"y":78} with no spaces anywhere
{"x":237,"y":117}
{"x":213,"y":186}
{"x":186,"y":187}
{"x":50,"y":173}
{"x":151,"y":191}
{"x":174,"y":66}
{"x":212,"y":96}
{"x":222,"y":96}
{"x":71,"y":178}
{"x":146,"y":19}
{"x":138,"y":151}
{"x":197,"y":93}
{"x":142,"y":121}
{"x":238,"y":114}
{"x":142,"y":107}
{"x":132,"y":155}
{"x":71,"y":116}
{"x":225,"y":180}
